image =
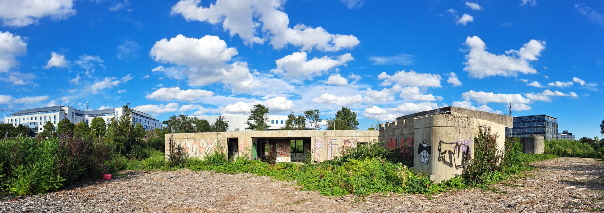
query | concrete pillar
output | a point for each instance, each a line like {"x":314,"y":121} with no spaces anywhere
{"x":533,"y":145}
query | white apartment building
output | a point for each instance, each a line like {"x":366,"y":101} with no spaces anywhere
{"x":36,"y":118}
{"x":565,"y":135}
{"x":238,"y":122}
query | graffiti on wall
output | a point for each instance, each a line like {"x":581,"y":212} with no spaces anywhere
{"x":455,"y":154}
{"x":391,"y":143}
{"x":318,"y":145}
{"x":332,"y":142}
{"x":283,"y":149}
{"x":424,"y":151}
{"x":350,"y":143}
{"x":199,"y":148}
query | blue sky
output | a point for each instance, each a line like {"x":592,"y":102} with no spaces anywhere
{"x":382,"y":59}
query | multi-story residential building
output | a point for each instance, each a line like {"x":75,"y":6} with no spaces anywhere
{"x":36,"y":118}
{"x":239,"y":122}
{"x":541,"y":125}
{"x":565,"y":135}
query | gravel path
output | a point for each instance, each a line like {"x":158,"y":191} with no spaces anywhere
{"x":558,"y":185}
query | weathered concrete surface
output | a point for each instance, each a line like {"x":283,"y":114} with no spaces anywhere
{"x":323,"y":145}
{"x":443,"y":139}
{"x":533,"y":145}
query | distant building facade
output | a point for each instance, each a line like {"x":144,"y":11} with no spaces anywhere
{"x":238,"y":123}
{"x":37,"y":117}
{"x":541,"y":125}
{"x":565,"y":135}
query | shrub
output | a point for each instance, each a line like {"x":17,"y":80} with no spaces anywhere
{"x":30,"y":166}
{"x":569,"y":148}
{"x":178,"y":156}
{"x":486,"y":158}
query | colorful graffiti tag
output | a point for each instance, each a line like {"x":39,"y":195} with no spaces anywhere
{"x":454,"y":154}
{"x":199,"y":148}
{"x":350,"y":143}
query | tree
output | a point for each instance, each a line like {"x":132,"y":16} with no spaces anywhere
{"x":21,"y":130}
{"x":220,"y":125}
{"x":98,"y":127}
{"x":81,"y":130}
{"x":345,"y":120}
{"x":64,"y":127}
{"x":312,"y":116}
{"x":300,"y":122}
{"x":289,"y":123}
{"x":124,"y":133}
{"x":6,"y":130}
{"x":259,"y":118}
{"x":201,"y":125}
{"x":48,"y":132}
{"x":180,"y":124}
{"x":602,"y":127}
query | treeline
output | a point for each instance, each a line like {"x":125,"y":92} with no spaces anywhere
{"x":345,"y":119}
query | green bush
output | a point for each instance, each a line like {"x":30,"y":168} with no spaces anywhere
{"x":569,"y":148}
{"x":30,"y":166}
{"x":486,"y":158}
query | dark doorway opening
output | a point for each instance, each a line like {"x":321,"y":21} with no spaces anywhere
{"x":232,"y":147}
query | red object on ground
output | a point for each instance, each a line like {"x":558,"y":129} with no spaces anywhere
{"x":107,"y":176}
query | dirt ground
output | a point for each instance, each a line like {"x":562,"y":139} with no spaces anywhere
{"x":557,"y":185}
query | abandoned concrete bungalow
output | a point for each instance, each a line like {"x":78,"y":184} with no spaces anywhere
{"x":442,"y":140}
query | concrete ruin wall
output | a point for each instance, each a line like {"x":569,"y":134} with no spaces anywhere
{"x":533,"y":145}
{"x":324,"y":145}
{"x":443,"y":139}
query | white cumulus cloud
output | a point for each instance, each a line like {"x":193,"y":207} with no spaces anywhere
{"x":203,"y":61}
{"x":535,"y":84}
{"x":56,"y":60}
{"x":560,"y":84}
{"x":158,"y":109}
{"x":409,"y":108}
{"x":279,"y":104}
{"x":337,"y":79}
{"x":339,"y":100}
{"x":20,"y":13}
{"x":109,"y":82}
{"x":255,"y":18}
{"x":175,"y":93}
{"x":465,"y":18}
{"x":489,"y":97}
{"x":297,"y":65}
{"x":415,"y":94}
{"x":378,"y":113}
{"x":411,"y":78}
{"x":468,"y":105}
{"x":453,"y":79}
{"x":579,"y":81}
{"x":473,"y":6}
{"x":481,"y":64}
{"x":237,"y":108}
{"x":12,"y":46}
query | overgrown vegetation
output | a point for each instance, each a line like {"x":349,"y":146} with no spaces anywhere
{"x":30,"y":166}
{"x":585,"y":148}
{"x":59,"y":157}
{"x":373,"y":168}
